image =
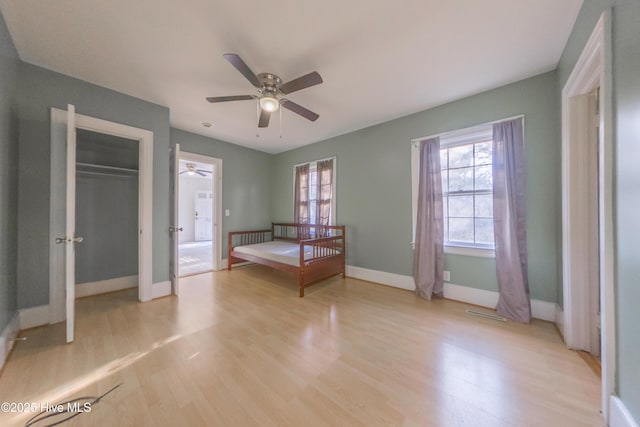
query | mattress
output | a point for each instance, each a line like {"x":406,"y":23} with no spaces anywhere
{"x":283,"y":252}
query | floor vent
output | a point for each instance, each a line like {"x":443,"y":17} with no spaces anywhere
{"x":487,"y":315}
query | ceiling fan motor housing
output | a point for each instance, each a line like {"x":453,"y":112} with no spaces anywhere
{"x":270,"y":83}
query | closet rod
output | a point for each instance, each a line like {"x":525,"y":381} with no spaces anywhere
{"x":111,"y":174}
{"x":111,"y":168}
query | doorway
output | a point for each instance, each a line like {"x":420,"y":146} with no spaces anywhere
{"x":63,"y":236}
{"x":588,"y":317}
{"x":195,"y":217}
{"x":106,"y":213}
{"x":196,"y":230}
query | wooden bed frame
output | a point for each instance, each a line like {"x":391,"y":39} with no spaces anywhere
{"x":327,"y":242}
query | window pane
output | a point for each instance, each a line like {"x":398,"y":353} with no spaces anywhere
{"x":468,"y":217}
{"x":461,"y":179}
{"x":484,"y":205}
{"x":312,"y":212}
{"x":461,"y":156}
{"x":461,"y":206}
{"x":313,"y":185}
{"x":461,"y":230}
{"x":484,"y":231}
{"x":484,"y":179}
{"x":443,"y":159}
{"x":446,"y":229}
{"x":483,"y":153}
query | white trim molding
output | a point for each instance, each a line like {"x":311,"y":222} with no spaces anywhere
{"x":560,"y":319}
{"x":620,"y":415}
{"x":7,"y":338}
{"x":225,"y":264}
{"x":104,"y":286}
{"x":540,"y":309}
{"x":382,"y":277}
{"x":161,"y":289}
{"x":468,"y":251}
{"x":592,"y":70}
{"x":32,"y":317}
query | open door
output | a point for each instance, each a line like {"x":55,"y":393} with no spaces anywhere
{"x":175,"y":228}
{"x":65,"y":122}
{"x":71,"y":240}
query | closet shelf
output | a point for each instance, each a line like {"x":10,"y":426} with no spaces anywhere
{"x":103,"y":168}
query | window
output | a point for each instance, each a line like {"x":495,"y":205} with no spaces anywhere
{"x":314,"y":192}
{"x":467,"y":187}
{"x":467,"y":192}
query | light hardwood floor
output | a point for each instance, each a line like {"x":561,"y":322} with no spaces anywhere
{"x":240,"y":348}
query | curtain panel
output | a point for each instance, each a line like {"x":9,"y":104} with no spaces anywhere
{"x":509,"y":220}
{"x":429,"y":239}
{"x":324,"y":192}
{"x":301,"y":195}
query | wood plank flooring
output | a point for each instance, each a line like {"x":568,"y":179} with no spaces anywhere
{"x":241,"y":349}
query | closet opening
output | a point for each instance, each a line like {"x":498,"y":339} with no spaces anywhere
{"x":107,"y":197}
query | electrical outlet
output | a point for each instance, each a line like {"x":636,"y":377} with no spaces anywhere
{"x":446,"y":276}
{"x":226,"y":212}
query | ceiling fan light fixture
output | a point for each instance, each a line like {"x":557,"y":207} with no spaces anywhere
{"x":191,"y":169}
{"x":269,"y":103}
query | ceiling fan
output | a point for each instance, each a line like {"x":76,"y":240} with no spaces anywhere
{"x":270,"y":91}
{"x":192,"y":170}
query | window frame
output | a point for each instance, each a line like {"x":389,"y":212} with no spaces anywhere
{"x":475,"y":134}
{"x":313,"y":165}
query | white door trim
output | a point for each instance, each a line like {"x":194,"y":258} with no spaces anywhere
{"x":217,"y":199}
{"x":145,"y":203}
{"x":592,"y":70}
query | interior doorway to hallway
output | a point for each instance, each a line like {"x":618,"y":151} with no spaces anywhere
{"x":196,"y":229}
{"x":196,"y":217}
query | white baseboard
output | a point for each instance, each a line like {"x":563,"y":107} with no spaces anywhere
{"x":475,"y":296}
{"x":560,"y":319}
{"x":34,"y":316}
{"x":225,"y":264}
{"x":160,"y":289}
{"x":104,"y":286}
{"x":543,"y":310}
{"x":539,"y":309}
{"x":619,"y":415}
{"x":7,"y":337}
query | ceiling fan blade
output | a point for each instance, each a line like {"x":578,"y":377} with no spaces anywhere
{"x":264,"y":119}
{"x":299,"y":109}
{"x":303,"y":82}
{"x":240,"y":65}
{"x":182,"y":172}
{"x":200,"y":173}
{"x":230,"y":98}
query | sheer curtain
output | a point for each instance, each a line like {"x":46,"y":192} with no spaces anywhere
{"x":301,"y":195}
{"x":429,"y":239}
{"x":509,"y":220}
{"x":325,"y":187}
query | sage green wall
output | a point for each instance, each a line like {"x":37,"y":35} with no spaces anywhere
{"x":626,"y":110}
{"x":39,"y":90}
{"x":374,"y":183}
{"x":9,"y":63}
{"x":246,"y":181}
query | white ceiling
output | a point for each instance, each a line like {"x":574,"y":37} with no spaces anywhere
{"x":380,"y":59}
